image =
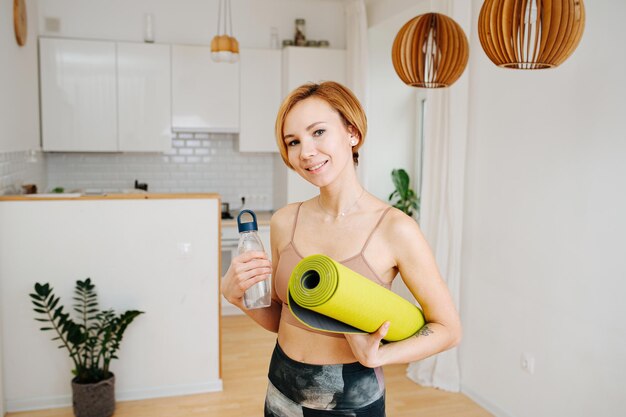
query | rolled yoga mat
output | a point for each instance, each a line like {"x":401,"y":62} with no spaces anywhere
{"x":325,"y":295}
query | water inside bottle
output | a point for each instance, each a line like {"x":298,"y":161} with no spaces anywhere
{"x":258,"y":296}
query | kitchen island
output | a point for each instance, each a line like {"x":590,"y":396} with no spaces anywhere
{"x":158,"y":253}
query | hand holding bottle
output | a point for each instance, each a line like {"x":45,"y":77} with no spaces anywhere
{"x":245,"y":271}
{"x":249,"y":272}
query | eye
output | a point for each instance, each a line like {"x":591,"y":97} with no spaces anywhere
{"x":319,"y":132}
{"x":293,"y":142}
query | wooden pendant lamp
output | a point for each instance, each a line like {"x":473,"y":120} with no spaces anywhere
{"x":224,"y":46}
{"x":430,"y":51}
{"x":530,"y":34}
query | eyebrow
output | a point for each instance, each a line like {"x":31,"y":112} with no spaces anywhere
{"x":309,"y":127}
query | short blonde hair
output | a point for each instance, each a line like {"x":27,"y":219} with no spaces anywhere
{"x":340,"y":98}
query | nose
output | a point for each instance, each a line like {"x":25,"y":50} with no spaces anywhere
{"x":308,"y":149}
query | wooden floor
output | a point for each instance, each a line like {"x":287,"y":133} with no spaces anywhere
{"x":246,"y":350}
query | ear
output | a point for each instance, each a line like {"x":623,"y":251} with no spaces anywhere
{"x":353,"y":136}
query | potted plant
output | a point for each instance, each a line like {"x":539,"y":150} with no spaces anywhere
{"x":92,"y":341}
{"x":406,"y":199}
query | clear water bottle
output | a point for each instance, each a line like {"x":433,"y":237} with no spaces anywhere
{"x":258,"y":295}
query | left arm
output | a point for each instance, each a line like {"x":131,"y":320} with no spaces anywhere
{"x":418,"y":269}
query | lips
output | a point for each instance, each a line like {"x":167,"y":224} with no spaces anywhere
{"x":316,"y":168}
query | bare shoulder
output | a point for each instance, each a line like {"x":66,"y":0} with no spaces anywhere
{"x":401,"y":230}
{"x":281,"y":224}
{"x":396,"y":221}
{"x":285,"y":215}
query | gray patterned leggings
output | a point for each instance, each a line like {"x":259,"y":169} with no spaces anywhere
{"x":298,"y":389}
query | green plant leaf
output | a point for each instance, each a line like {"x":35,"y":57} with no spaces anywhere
{"x":36,"y":297}
{"x":42,"y":290}
{"x":91,"y":341}
{"x":405,"y":198}
{"x":400,"y":181}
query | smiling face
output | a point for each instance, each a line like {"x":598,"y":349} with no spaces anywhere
{"x":339,"y":98}
{"x":318,"y":141}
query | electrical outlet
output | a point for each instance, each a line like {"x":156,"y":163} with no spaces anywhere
{"x":527,"y":363}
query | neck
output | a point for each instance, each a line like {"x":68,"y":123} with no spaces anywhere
{"x":342,"y":195}
{"x":340,"y":201}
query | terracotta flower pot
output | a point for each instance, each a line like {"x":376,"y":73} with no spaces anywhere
{"x":94,"y":400}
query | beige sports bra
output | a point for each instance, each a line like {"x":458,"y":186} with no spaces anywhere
{"x":289,"y":257}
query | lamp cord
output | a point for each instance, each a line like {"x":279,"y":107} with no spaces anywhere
{"x":219,"y":16}
{"x":230,"y":17}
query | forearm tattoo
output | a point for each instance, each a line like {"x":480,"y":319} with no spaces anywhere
{"x":424,"y":331}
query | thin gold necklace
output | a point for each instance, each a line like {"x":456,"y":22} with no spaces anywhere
{"x":341,"y":213}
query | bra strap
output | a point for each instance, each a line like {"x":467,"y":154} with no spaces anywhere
{"x":382,"y":216}
{"x":295,"y":222}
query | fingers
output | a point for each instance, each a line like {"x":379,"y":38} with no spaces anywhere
{"x":234,"y":291}
{"x":250,"y":264}
{"x":244,"y":277}
{"x":244,"y":285}
{"x":383,"y":330}
{"x":246,"y":267}
{"x":248,"y":256}
{"x":366,"y":346}
{"x":245,"y":270}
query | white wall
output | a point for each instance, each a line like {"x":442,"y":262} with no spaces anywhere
{"x":543,"y":249}
{"x":392,"y":104}
{"x":544,"y":270}
{"x":19,"y":100}
{"x":380,"y":10}
{"x":195,"y":21}
{"x":19,"y":82}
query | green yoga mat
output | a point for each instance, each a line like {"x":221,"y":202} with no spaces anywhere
{"x":325,"y":295}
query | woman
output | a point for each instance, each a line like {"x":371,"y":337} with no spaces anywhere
{"x":319,"y":130}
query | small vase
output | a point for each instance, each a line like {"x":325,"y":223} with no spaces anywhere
{"x":148,"y":28}
{"x":94,"y":400}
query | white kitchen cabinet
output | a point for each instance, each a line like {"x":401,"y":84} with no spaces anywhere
{"x":144,"y":97}
{"x":260,"y":92}
{"x":104,"y":96}
{"x":78,"y":95}
{"x":205,"y":94}
{"x":300,"y":66}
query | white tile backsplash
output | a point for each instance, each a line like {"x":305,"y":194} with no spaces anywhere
{"x":198,"y":162}
{"x":18,"y":168}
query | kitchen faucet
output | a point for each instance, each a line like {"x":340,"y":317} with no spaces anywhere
{"x":141,"y":185}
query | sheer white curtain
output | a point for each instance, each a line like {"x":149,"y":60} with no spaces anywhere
{"x":441,"y":217}
{"x":356,"y":60}
{"x":440,"y":220}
